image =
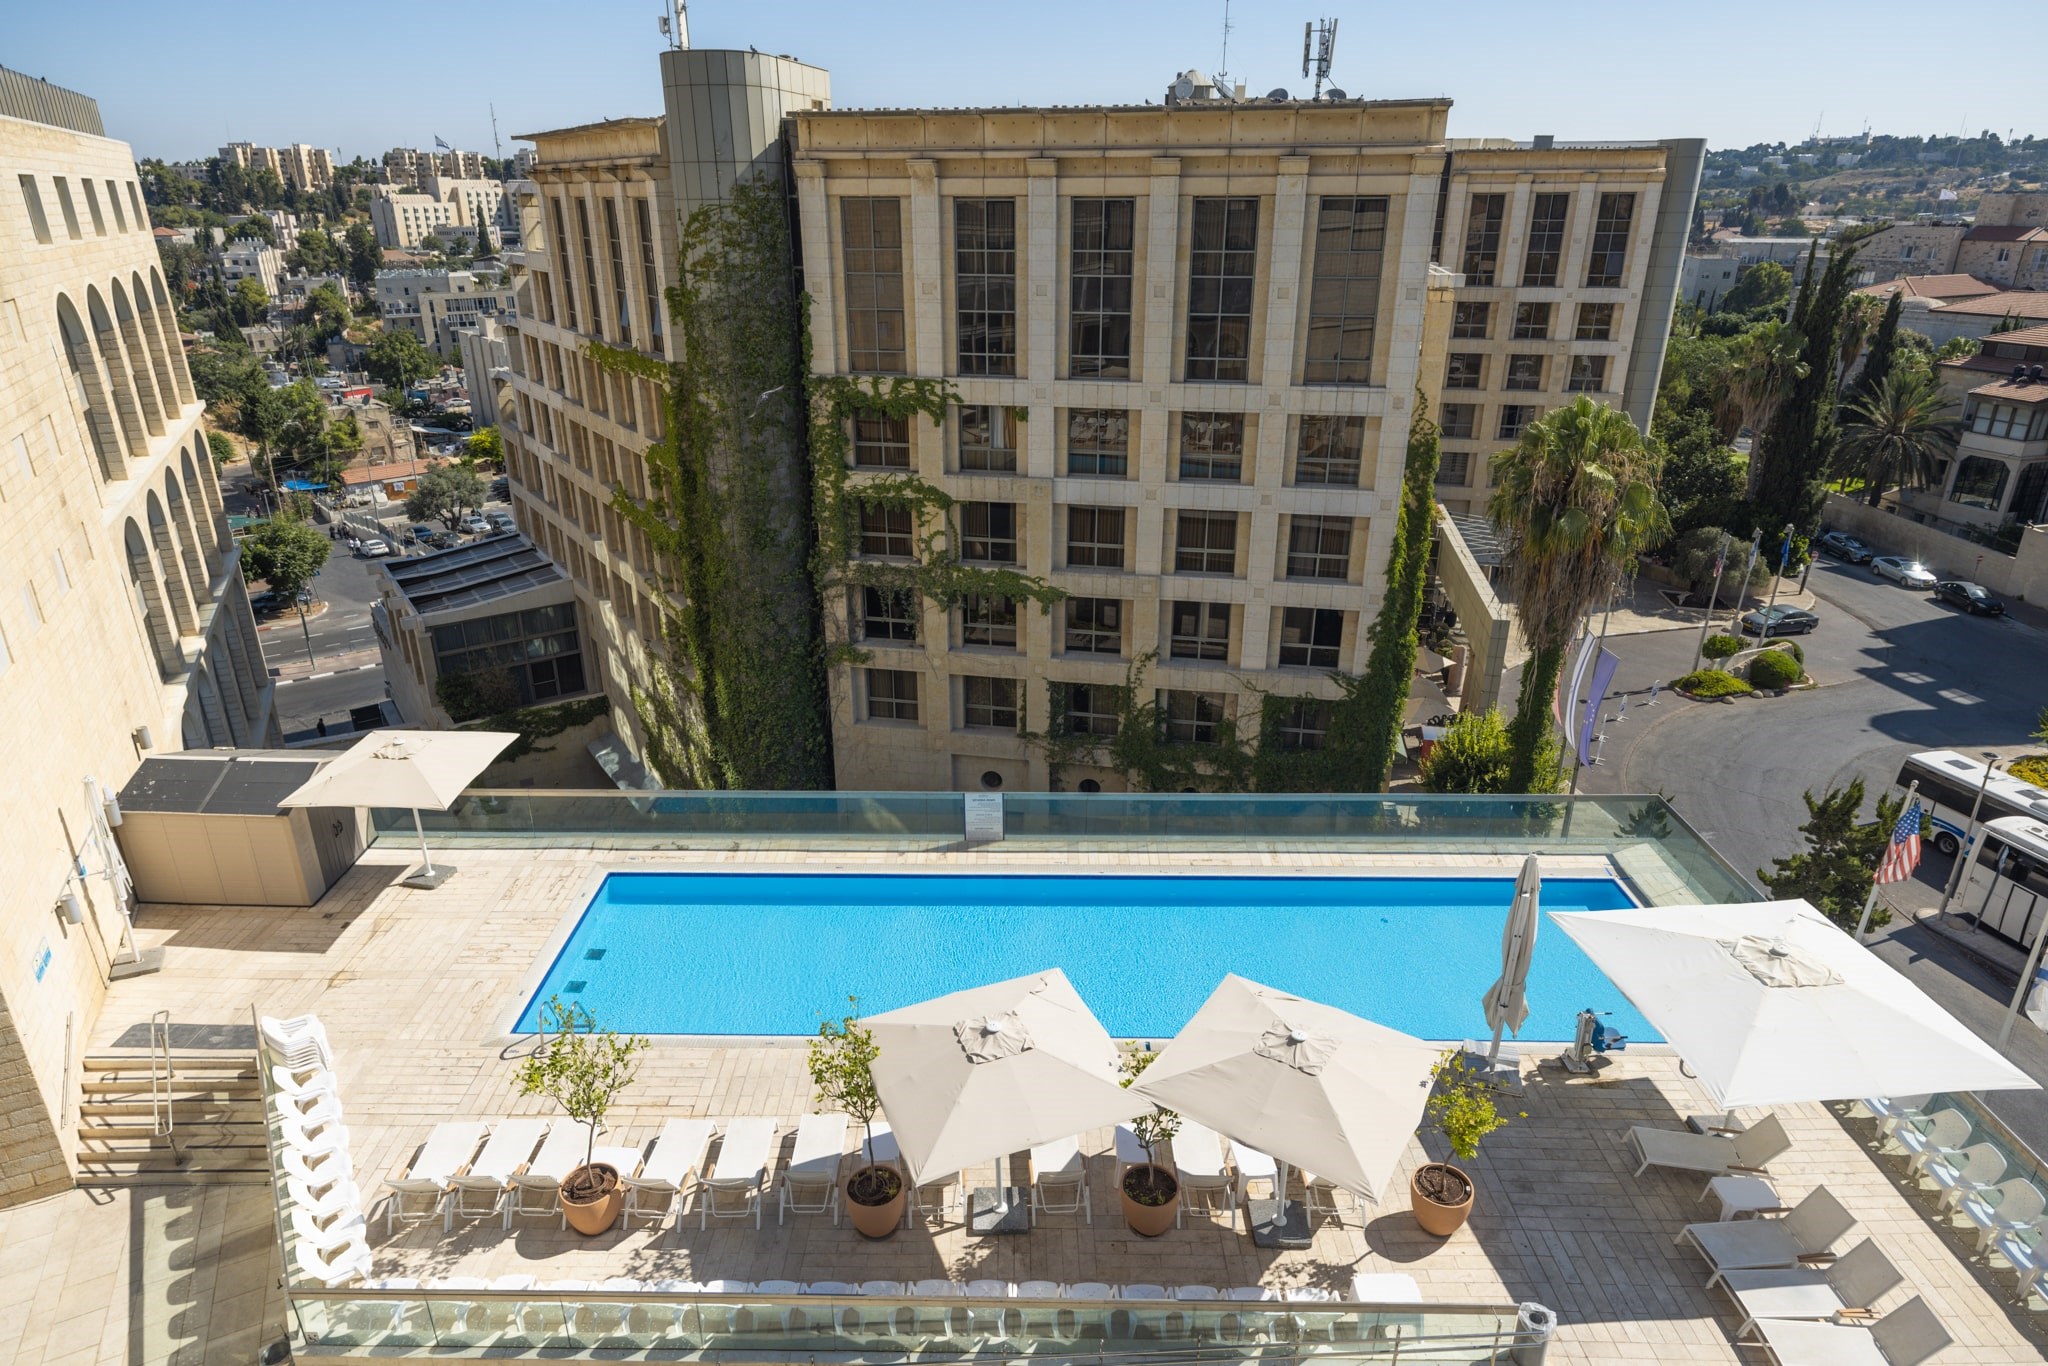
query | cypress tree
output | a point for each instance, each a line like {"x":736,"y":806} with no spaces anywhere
{"x":1390,"y":668}
{"x":1878,"y":363}
{"x":1797,"y":443}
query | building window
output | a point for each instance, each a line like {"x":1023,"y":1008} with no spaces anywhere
{"x":540,"y":649}
{"x":61,"y":572}
{"x":985,"y":284}
{"x":1089,"y":708}
{"x":1344,"y":299}
{"x":1589,"y":375}
{"x":1546,"y":239}
{"x":888,"y":614}
{"x":1099,"y":442}
{"x":1514,"y":419}
{"x":32,"y":200}
{"x":988,"y":620}
{"x":1305,"y":724}
{"x":1453,"y":468}
{"x":1608,"y":264}
{"x":1482,"y":238}
{"x":988,"y":533}
{"x":615,"y":250}
{"x":1200,"y":630}
{"x":892,"y":695}
{"x":589,"y":267}
{"x":881,"y":443}
{"x":988,"y":438}
{"x":1222,"y":258}
{"x":1095,"y":626}
{"x":1465,"y":370}
{"x":1459,"y":420}
{"x":1471,"y":322}
{"x":1190,"y":718}
{"x":1330,"y":451}
{"x":1319,"y":547}
{"x":1095,"y":538}
{"x":1212,"y":446}
{"x":1596,"y":323}
{"x":988,"y":703}
{"x":1532,"y":322}
{"x":64,"y":203}
{"x":1525,"y":371}
{"x":1206,"y":543}
{"x":650,"y":288}
{"x":1099,"y":343}
{"x":885,"y":529}
{"x":872,"y":232}
{"x":135,"y":205}
{"x":1980,"y":483}
{"x":1310,"y":637}
{"x":561,"y":254}
{"x":99,"y":221}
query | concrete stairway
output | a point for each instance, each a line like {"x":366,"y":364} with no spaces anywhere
{"x":214,"y":1102}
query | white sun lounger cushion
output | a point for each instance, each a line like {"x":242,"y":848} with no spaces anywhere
{"x":1815,"y":1224}
{"x":1197,"y":1150}
{"x":1907,"y":1336}
{"x":678,"y":1151}
{"x":560,"y":1154}
{"x":820,"y":1143}
{"x":1060,"y":1157}
{"x":744,"y":1155}
{"x":510,"y":1147}
{"x":448,"y":1150}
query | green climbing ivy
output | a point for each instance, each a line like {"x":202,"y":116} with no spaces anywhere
{"x":1382,"y":693}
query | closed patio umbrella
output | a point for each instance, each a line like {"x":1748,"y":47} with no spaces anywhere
{"x":976,"y":1075}
{"x":413,"y":769}
{"x":1770,"y":1003}
{"x":1506,"y":1002}
{"x":1308,"y":1084}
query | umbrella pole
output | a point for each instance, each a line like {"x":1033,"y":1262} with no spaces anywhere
{"x":1493,"y":1050}
{"x":425,"y":856}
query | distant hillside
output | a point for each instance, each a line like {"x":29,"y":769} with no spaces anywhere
{"x":1875,"y":176}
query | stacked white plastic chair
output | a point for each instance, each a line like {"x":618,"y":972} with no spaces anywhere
{"x":324,"y":1208}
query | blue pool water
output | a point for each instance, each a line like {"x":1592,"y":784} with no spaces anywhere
{"x":756,"y":953}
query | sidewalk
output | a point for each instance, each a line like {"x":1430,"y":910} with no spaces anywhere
{"x":343,"y":662}
{"x":1649,"y":609}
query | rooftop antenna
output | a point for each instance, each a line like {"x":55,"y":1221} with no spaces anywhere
{"x":1318,"y":49}
{"x":675,"y":24}
{"x":497,"y":148}
{"x":1223,"y":83}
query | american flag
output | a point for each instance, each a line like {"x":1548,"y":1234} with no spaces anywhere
{"x":1902,"y":854}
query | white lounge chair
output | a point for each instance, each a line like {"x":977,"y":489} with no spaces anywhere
{"x":303,"y":1090}
{"x":1198,"y":1157}
{"x":1928,"y":1137}
{"x":330,"y":1200}
{"x":1253,"y":1165}
{"x":316,"y":1171}
{"x":343,"y":1266}
{"x":323,"y":1134}
{"x":537,"y":1189}
{"x":1855,"y":1283}
{"x":2001,"y":1208}
{"x":1320,"y":1197}
{"x":741,"y":1170}
{"x":299,"y":1044}
{"x":1814,"y":1225}
{"x":327,"y":1237}
{"x":1907,"y":1336}
{"x":1955,"y":1175}
{"x":488,"y":1178}
{"x":1714,"y":1154}
{"x":810,"y":1183}
{"x":1129,"y":1152}
{"x":676,"y":1157}
{"x":432,"y":1170}
{"x":986,"y":1313}
{"x":1059,"y":1180}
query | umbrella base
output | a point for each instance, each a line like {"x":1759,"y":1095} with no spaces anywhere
{"x":1277,"y":1223}
{"x":1503,"y":1074}
{"x":992,"y":1211}
{"x":427,"y":879}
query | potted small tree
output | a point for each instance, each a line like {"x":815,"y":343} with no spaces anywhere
{"x":1463,"y":1108}
{"x":582,"y":1070}
{"x":1151,"y":1190}
{"x":842,"y":1071}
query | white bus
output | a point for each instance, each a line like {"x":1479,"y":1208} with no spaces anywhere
{"x":2006,"y":887}
{"x":1949,"y":783}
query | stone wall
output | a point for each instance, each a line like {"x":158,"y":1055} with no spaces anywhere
{"x":2023,"y":576}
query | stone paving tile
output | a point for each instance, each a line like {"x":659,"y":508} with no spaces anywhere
{"x":412,"y":987}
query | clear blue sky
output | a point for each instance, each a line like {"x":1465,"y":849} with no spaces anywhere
{"x":178,"y":79}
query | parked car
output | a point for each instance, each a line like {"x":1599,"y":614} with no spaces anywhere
{"x":444,"y":540}
{"x":501,"y":521}
{"x":1899,"y":569}
{"x":270,"y":600}
{"x":1783,"y":621}
{"x":375,"y":546}
{"x":501,"y":488}
{"x":475,"y":525}
{"x":1843,"y":546}
{"x":1973,"y":598}
{"x":422,"y":533}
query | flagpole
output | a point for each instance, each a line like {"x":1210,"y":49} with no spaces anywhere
{"x":2019,"y":994}
{"x":1870,"y":902}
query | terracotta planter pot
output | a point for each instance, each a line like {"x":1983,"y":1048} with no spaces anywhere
{"x":877,"y":1221}
{"x":592,"y":1215}
{"x":1434,"y":1216}
{"x":1149,"y":1221}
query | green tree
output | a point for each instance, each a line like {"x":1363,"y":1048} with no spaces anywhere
{"x":1390,"y":668}
{"x":1695,"y":377}
{"x":397,"y":358}
{"x":316,"y":253}
{"x":226,"y":377}
{"x":583,"y":1070}
{"x":1861,"y":317}
{"x":1898,"y":434}
{"x":365,"y":257}
{"x":253,"y":227}
{"x":1957,"y":348}
{"x":1796,"y":446}
{"x":1840,"y":860}
{"x":484,"y":447}
{"x":327,"y":312}
{"x":447,"y":492}
{"x":285,"y":554}
{"x":1883,"y":346}
{"x":223,"y":450}
{"x":251,"y":302}
{"x":1574,"y":503}
{"x":184,"y":266}
{"x":1764,"y":365}
{"x":1476,"y":757}
{"x":842,"y":1066}
{"x":297,"y":424}
{"x":1701,"y":482}
{"x":1761,"y":290}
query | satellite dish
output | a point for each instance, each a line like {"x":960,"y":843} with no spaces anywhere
{"x":1278,"y":93}
{"x":1334,"y":93}
{"x":1182,"y":89}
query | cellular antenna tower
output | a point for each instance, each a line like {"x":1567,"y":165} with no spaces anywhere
{"x":1318,"y":50}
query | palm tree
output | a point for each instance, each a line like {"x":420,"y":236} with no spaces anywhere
{"x":1573,"y":502}
{"x":1899,"y":434}
{"x":1860,"y":315}
{"x":1765,"y":367}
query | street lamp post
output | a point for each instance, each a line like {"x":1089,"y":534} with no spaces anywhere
{"x":1784,"y":556}
{"x":1969,"y":844}
{"x":1713,"y":600}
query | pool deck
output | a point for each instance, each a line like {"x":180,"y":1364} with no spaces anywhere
{"x":414,"y":988}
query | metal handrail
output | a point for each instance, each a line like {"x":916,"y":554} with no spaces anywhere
{"x":162,"y":1103}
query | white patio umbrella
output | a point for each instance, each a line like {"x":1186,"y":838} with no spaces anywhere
{"x":1772,"y":1004}
{"x":415,"y":769}
{"x":1310,"y":1085}
{"x":976,"y":1075}
{"x":1506,"y":1001}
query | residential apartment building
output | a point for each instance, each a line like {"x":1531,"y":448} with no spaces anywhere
{"x":299,"y":166}
{"x":480,"y":205}
{"x":403,"y":219}
{"x":125,"y":628}
{"x":252,"y":258}
{"x":409,"y":166}
{"x":435,"y":304}
{"x":486,"y":367}
{"x":1999,"y":472}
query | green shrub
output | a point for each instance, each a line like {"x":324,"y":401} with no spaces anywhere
{"x":2032,"y":769}
{"x":1720,"y":647}
{"x":1774,"y":669}
{"x":1791,"y":647}
{"x":1713,"y":683}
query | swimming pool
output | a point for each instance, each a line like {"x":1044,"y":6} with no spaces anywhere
{"x":773,"y":953}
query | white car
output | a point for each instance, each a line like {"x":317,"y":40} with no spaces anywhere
{"x":1901,"y":570}
{"x":375,"y":547}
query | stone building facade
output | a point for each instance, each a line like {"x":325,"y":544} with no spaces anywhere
{"x":125,"y":627}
